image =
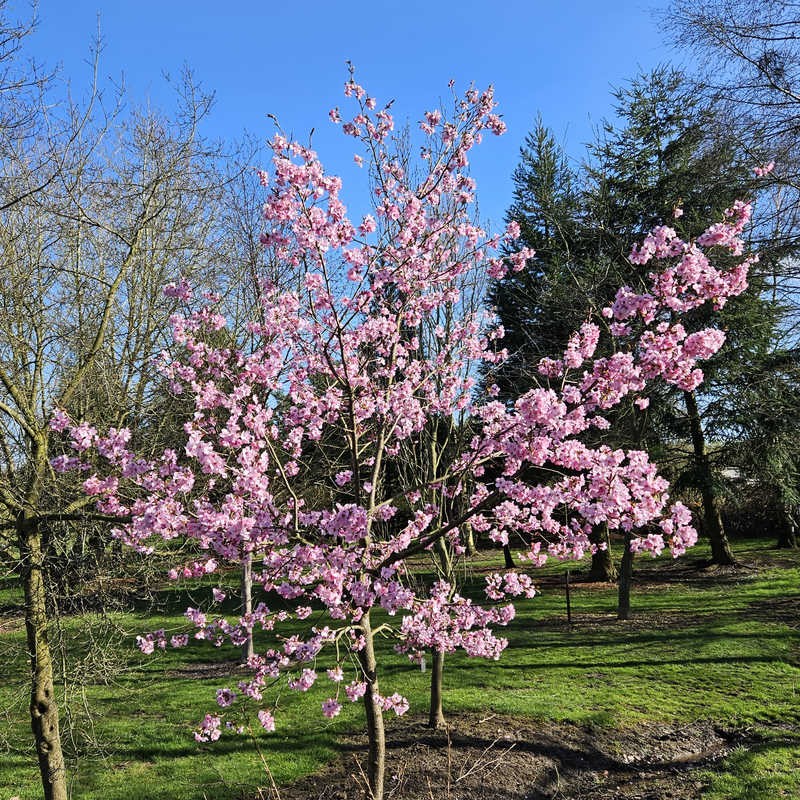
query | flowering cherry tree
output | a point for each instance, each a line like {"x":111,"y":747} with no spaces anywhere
{"x":341,"y":357}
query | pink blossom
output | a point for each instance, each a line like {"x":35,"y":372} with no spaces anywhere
{"x":267,"y":720}
{"x":330,"y":708}
{"x":355,"y":690}
{"x":59,"y":421}
{"x":83,"y":437}
{"x":764,"y":169}
{"x":65,"y":463}
{"x":304,"y":682}
{"x":180,"y":290}
{"x":150,"y":641}
{"x":396,"y":703}
{"x":225,"y":697}
{"x":344,"y":477}
{"x":336,"y":674}
{"x":209,"y":729}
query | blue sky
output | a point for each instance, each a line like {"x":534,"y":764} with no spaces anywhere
{"x":288,"y":59}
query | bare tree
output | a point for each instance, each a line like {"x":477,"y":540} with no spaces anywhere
{"x":749,"y":57}
{"x":749,"y":68}
{"x":99,"y":208}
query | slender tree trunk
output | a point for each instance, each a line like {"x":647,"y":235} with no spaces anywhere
{"x":603,"y":568}
{"x":721,"y":552}
{"x":43,"y":708}
{"x":436,"y":718}
{"x":469,"y":539}
{"x":376,"y":736}
{"x":445,"y":559}
{"x":787,"y":535}
{"x":625,"y":578}
{"x":247,"y":603}
{"x":435,"y":710}
{"x":508,"y":558}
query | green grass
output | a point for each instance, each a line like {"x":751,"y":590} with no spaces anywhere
{"x":697,"y":649}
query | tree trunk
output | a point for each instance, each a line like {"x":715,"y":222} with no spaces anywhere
{"x":435,"y":710}
{"x":247,"y":603}
{"x":787,"y":533}
{"x":787,"y":540}
{"x":509,"y":559}
{"x":445,"y":561}
{"x":469,"y":539}
{"x":625,"y":578}
{"x":436,"y":718}
{"x":721,"y":552}
{"x":602,"y":568}
{"x":376,"y":736}
{"x":43,"y":708}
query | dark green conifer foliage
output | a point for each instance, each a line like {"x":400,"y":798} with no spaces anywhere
{"x":665,"y":151}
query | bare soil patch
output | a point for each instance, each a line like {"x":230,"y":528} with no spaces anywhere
{"x":505,"y":758}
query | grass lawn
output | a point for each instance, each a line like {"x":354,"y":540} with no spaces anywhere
{"x":723,"y":648}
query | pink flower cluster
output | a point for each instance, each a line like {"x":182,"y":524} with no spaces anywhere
{"x":445,"y":622}
{"x":763,"y":169}
{"x":210,"y":729}
{"x":150,"y":641}
{"x":395,"y":702}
